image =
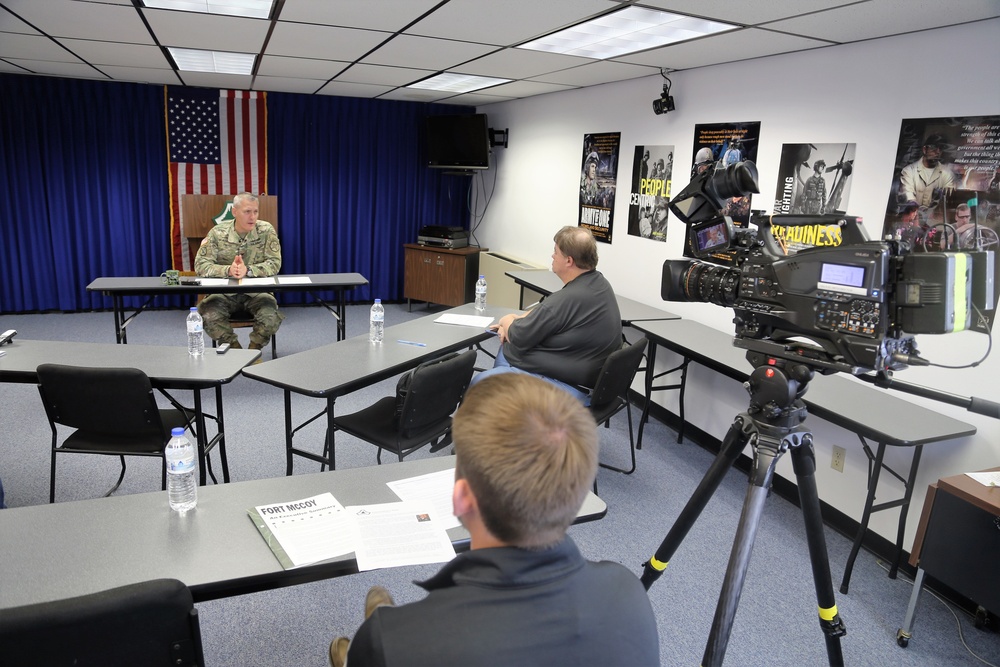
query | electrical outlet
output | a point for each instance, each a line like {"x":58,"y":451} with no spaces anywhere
{"x":839,"y":453}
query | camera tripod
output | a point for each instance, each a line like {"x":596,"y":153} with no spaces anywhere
{"x":772,"y":425}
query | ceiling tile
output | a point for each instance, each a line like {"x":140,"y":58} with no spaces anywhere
{"x":107,"y":53}
{"x":382,"y":74}
{"x":732,"y":46}
{"x":404,"y":94}
{"x":213,"y":80}
{"x":284,"y":84}
{"x":526,"y":88}
{"x":387,"y":15}
{"x":595,"y":73}
{"x":507,"y":22}
{"x":34,"y":47}
{"x":142,"y":75}
{"x":300,"y":68}
{"x":747,"y":12}
{"x":353,"y":89}
{"x":322,"y":42}
{"x":50,"y":68}
{"x":426,"y":53}
{"x":886,"y":17}
{"x":521,"y":63}
{"x":192,"y":30}
{"x":86,"y":20}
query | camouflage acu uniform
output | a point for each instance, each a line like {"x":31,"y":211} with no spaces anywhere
{"x":261,"y":253}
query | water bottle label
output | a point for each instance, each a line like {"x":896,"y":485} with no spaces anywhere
{"x":194,"y":327}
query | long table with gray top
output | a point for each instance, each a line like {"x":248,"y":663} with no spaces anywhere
{"x":52,"y":552}
{"x":340,"y":368}
{"x":151,"y":287}
{"x":871,"y":413}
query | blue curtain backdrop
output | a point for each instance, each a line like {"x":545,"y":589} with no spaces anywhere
{"x":83,"y":172}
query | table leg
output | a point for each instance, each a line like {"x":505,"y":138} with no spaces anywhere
{"x":118,"y":306}
{"x":199,"y":418}
{"x":222,"y":434}
{"x":288,"y":432}
{"x":865,"y":516}
{"x":331,"y":429}
{"x":903,"y":508}
{"x":650,"y":365}
{"x":903,"y":635}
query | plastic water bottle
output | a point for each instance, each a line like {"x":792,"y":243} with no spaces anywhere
{"x":376,"y":328}
{"x":481,"y":294}
{"x":196,"y":333}
{"x":182,"y":478}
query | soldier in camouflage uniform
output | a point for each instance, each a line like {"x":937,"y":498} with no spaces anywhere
{"x":814,"y":196}
{"x":242,"y":247}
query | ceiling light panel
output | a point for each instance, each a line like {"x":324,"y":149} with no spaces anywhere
{"x":257,"y":9}
{"x":627,"y":31}
{"x":457,"y":83}
{"x":219,"y":62}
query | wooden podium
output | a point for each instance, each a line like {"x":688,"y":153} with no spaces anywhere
{"x":199,"y":211}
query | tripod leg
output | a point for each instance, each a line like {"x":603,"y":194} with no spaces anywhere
{"x":804,"y":465}
{"x":734,"y":442}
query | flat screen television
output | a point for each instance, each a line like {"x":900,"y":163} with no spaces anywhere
{"x":458,"y":142}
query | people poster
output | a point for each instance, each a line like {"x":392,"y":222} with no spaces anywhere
{"x":814,"y":179}
{"x":599,"y":173}
{"x":721,"y":145}
{"x":652,"y":169}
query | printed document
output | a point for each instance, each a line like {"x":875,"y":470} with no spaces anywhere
{"x":306,"y":531}
{"x":394,"y":534}
{"x":480,"y":321}
{"x":433,"y":491}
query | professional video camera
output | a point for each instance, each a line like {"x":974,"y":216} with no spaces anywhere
{"x":857,"y":302}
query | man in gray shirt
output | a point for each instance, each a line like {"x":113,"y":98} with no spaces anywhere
{"x":567,"y":337}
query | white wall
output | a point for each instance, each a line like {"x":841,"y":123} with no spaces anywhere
{"x":857,"y":93}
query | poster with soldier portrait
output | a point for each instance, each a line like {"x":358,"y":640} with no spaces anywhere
{"x":599,"y":173}
{"x":721,"y":145}
{"x":652,"y":169}
{"x":814,"y":179}
{"x":945,"y":192}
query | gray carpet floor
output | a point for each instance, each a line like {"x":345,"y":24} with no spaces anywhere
{"x":776,"y":623}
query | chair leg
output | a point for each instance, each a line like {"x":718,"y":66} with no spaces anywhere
{"x":378,"y":457}
{"x":121,"y":476}
{"x":631,"y":443}
{"x":52,"y":474}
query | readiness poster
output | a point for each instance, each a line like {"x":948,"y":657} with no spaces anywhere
{"x":652,"y":173}
{"x":597,"y":183}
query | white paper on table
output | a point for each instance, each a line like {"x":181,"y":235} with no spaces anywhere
{"x":312,"y":529}
{"x":433,"y":491}
{"x":294,"y":280}
{"x":257,"y":281}
{"x":395,"y":534}
{"x":214,"y":281}
{"x":480,"y":321}
{"x":986,"y":478}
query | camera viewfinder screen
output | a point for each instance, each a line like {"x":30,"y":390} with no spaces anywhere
{"x":843,"y":274}
{"x":712,"y":237}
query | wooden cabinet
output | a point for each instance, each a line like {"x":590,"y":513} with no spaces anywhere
{"x":440,"y":275}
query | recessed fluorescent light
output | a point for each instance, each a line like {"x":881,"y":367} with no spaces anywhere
{"x":627,"y":31}
{"x":457,"y":83}
{"x":257,"y":9}
{"x":220,"y":62}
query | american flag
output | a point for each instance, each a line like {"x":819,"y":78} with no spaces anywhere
{"x":217,"y":141}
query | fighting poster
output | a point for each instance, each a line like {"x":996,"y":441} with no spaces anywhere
{"x":720,"y":145}
{"x":597,"y":183}
{"x":814,"y":179}
{"x":652,"y":169}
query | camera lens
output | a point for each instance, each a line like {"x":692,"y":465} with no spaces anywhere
{"x":737,"y":180}
{"x":712,"y":284}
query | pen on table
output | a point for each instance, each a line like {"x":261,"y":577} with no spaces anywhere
{"x":411,"y":342}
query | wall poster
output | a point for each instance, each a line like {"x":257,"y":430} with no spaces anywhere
{"x":814,"y":179}
{"x":652,"y":170}
{"x":599,"y":174}
{"x":945,"y":192}
{"x":720,"y":145}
